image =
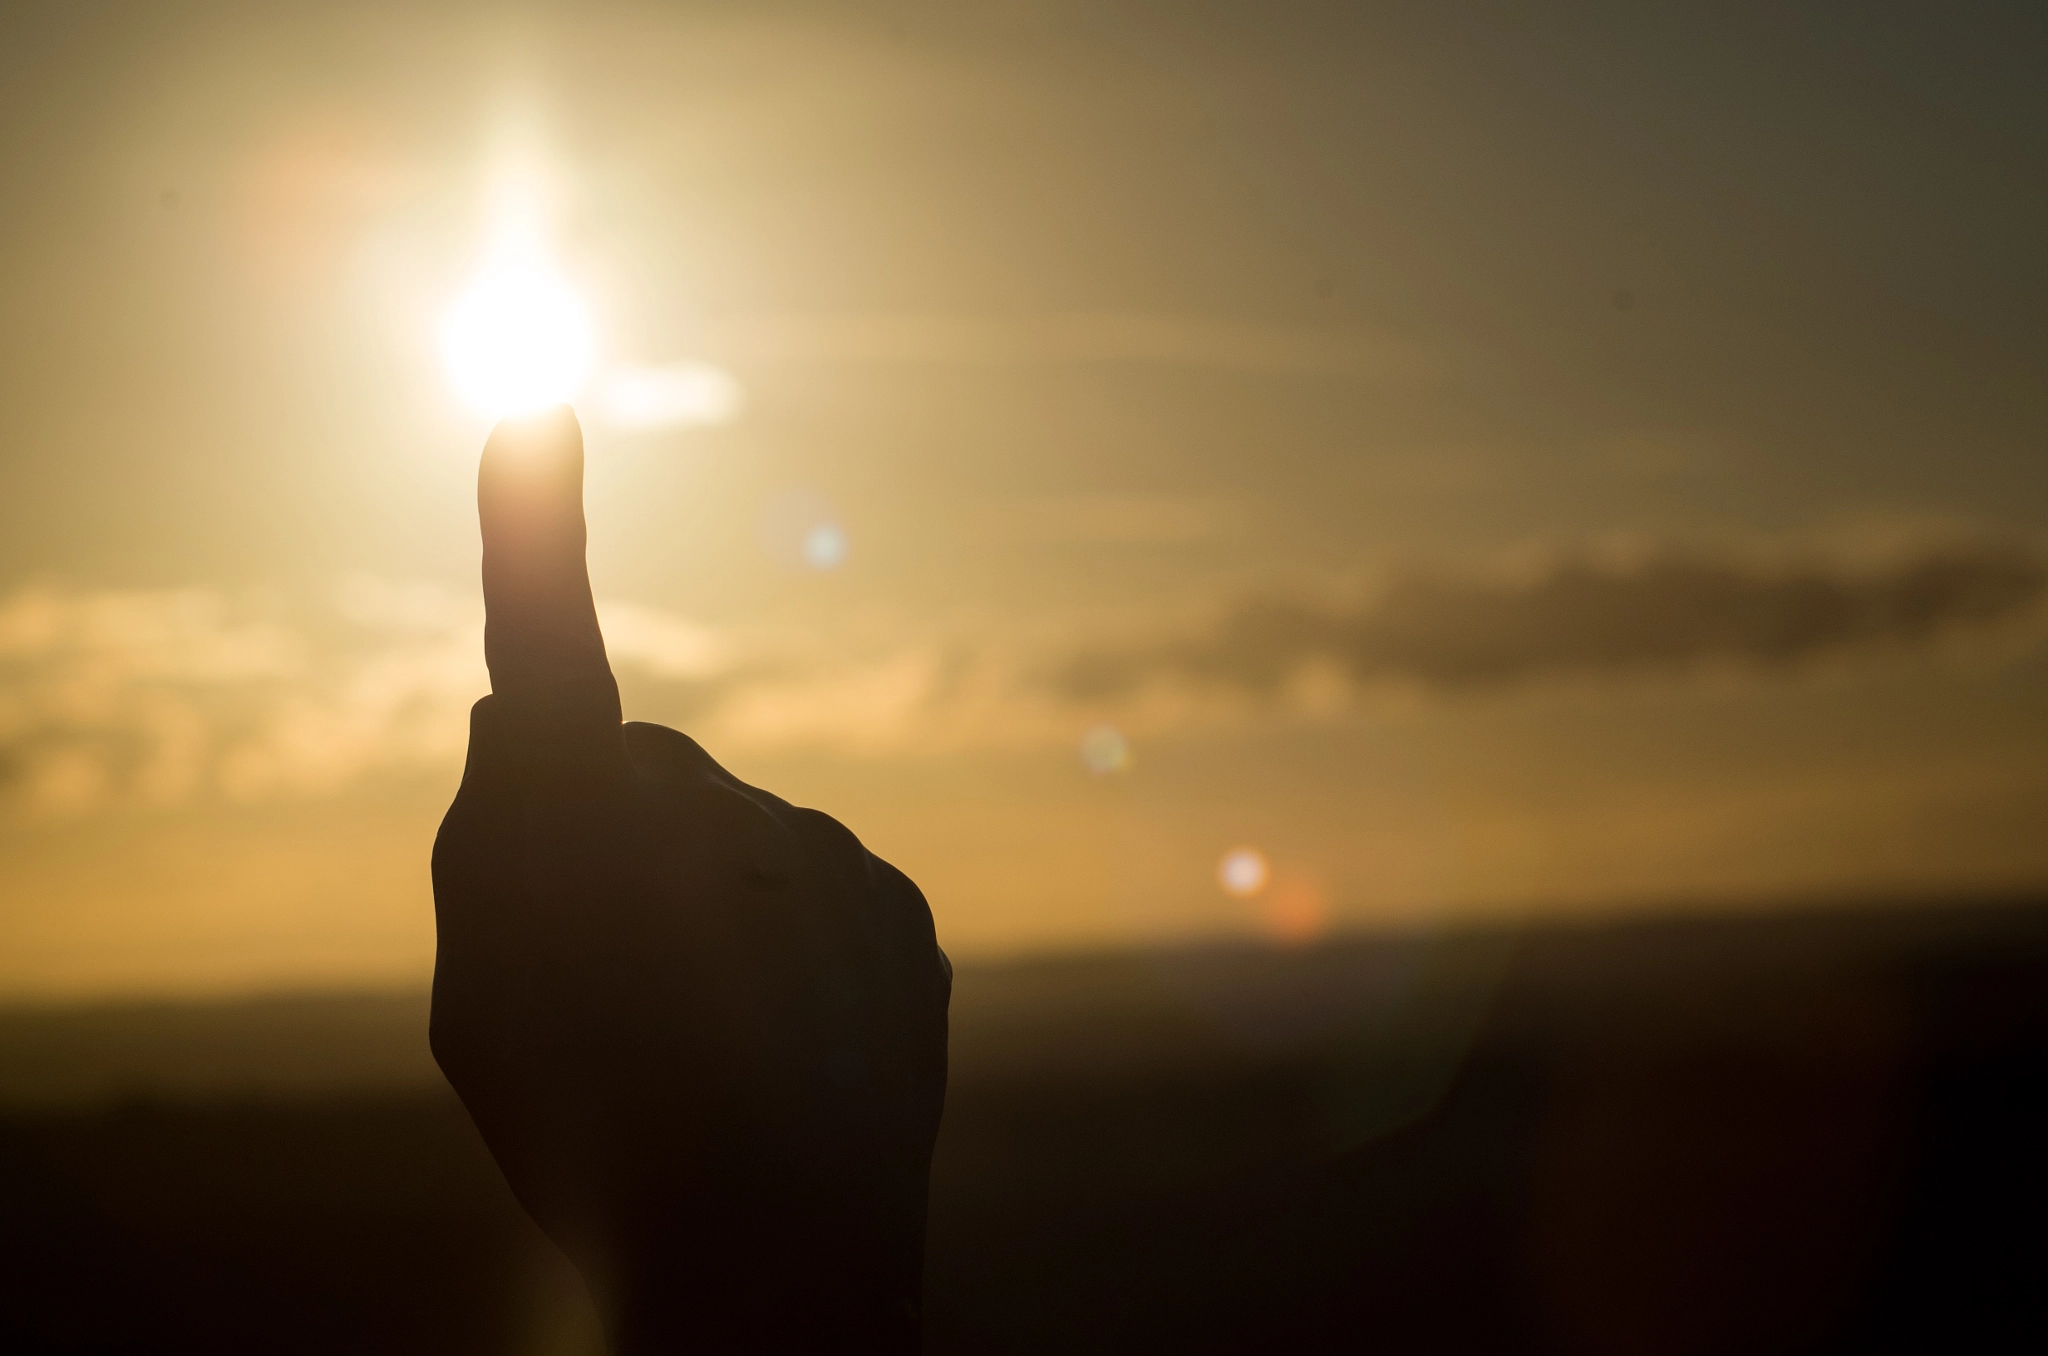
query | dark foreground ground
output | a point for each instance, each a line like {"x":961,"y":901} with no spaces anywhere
{"x":1820,"y":1132}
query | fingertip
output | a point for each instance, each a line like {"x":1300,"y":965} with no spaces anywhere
{"x":540,"y":624}
{"x":540,"y":434}
{"x":532,"y":469}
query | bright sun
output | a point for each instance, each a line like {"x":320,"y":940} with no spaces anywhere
{"x":519,"y":338}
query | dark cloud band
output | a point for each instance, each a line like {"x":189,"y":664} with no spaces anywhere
{"x":1666,"y":613}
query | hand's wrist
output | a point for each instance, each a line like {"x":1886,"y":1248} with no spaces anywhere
{"x":765,"y":1306}
{"x":776,"y":1278}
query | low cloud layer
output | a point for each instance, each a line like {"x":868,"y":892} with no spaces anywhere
{"x":1665,"y":613}
{"x":139,"y":700}
{"x":152,"y":698}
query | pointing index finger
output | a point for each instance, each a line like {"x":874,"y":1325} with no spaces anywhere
{"x":540,"y":626}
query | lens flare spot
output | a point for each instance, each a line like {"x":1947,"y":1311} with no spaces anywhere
{"x":825,"y":547}
{"x":1243,"y":871}
{"x":1105,"y":750}
{"x":802,"y":530}
{"x":1296,"y":910}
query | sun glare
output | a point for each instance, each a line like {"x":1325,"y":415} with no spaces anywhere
{"x":519,"y":338}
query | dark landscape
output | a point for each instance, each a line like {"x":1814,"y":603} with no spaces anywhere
{"x":1813,"y":1131}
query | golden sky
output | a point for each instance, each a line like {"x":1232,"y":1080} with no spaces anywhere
{"x":1496,"y":465}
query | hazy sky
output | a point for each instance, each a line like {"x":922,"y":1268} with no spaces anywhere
{"x":1493,"y":462}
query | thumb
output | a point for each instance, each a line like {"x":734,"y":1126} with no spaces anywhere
{"x":540,"y":626}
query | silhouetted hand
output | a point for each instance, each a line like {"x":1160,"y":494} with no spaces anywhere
{"x":702,"y":1030}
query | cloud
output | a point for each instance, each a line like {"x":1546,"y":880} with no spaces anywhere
{"x":151,"y":698}
{"x":1658,"y":614}
{"x":679,"y":395}
{"x":147,"y":699}
{"x":661,"y":644}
